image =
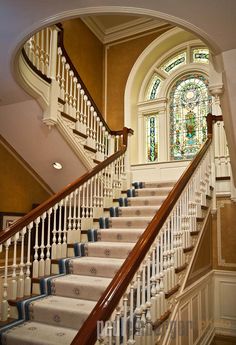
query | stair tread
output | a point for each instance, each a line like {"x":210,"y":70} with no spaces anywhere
{"x":42,"y":334}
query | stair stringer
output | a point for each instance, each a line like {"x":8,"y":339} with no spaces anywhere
{"x":176,"y":302}
{"x":46,"y":95}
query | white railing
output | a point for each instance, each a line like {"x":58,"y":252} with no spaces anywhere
{"x":222,"y":159}
{"x":145,"y":299}
{"x":46,"y":232}
{"x":44,"y":54}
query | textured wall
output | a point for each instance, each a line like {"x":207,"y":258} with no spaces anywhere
{"x":19,"y":189}
{"x":86,"y":53}
{"x":203,"y":260}
{"x":224,"y":235}
{"x":121,"y":57}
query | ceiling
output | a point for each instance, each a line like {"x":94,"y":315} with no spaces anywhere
{"x":109,"y":28}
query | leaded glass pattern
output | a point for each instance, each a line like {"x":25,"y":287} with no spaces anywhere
{"x":189,"y":105}
{"x":200,"y":55}
{"x":173,"y":63}
{"x":152,"y":137}
{"x":153,"y":87}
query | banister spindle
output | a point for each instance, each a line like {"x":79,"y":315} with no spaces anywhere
{"x":54,"y":232}
{"x":36,"y":247}
{"x":67,"y":66}
{"x":4,"y":309}
{"x":42,"y":246}
{"x":13,"y":283}
{"x":20,"y":285}
{"x":27,"y":291}
{"x":74,"y":108}
{"x":64,"y":230}
{"x":71,"y":77}
{"x":48,"y":245}
{"x":63,"y":78}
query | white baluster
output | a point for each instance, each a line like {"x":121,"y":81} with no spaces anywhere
{"x":54,"y":232}
{"x":48,"y":246}
{"x":117,"y":325}
{"x":41,"y":56}
{"x":13,"y":284}
{"x":63,"y":78}
{"x":67,"y":66}
{"x":131,"y":340}
{"x":28,"y":262}
{"x":42,"y":246}
{"x":37,"y":54}
{"x":74,"y":97}
{"x":59,"y":65}
{"x":4,"y":308}
{"x":71,"y":76}
{"x":64,"y":232}
{"x":59,"y":230}
{"x":48,"y":37}
{"x":36,"y":247}
{"x":20,"y":285}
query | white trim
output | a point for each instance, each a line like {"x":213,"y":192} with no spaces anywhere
{"x":220,"y":259}
{"x":133,"y":27}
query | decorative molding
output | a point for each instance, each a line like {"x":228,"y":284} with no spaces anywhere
{"x":77,"y":147}
{"x":125,"y":30}
{"x":220,"y":259}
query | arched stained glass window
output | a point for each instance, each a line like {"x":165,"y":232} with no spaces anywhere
{"x":153,"y":87}
{"x":200,"y":55}
{"x":152,"y":137}
{"x":173,"y":63}
{"x":189,"y":105}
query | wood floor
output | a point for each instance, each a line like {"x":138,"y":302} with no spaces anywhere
{"x":223,"y":340}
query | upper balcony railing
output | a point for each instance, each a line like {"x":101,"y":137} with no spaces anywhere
{"x":46,"y":55}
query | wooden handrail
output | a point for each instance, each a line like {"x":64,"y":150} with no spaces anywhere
{"x":80,"y":81}
{"x":114,"y":292}
{"x":36,"y":212}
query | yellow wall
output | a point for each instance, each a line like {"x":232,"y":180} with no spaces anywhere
{"x":120,"y":60}
{"x":224,"y":235}
{"x":19,"y":189}
{"x":202,"y":262}
{"x":86,"y":53}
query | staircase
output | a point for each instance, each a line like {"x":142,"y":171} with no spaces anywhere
{"x":93,"y":258}
{"x":67,"y":298}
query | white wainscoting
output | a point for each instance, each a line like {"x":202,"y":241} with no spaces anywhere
{"x":205,"y":308}
{"x":225,"y":302}
{"x":163,"y":171}
{"x":192,"y":322}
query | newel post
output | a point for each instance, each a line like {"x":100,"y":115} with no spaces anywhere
{"x":127,"y":159}
{"x":50,"y":116}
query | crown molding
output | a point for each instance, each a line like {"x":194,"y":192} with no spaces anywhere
{"x":121,"y":31}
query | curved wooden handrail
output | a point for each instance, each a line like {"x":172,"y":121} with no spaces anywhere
{"x":80,"y":81}
{"x":36,"y":212}
{"x":114,"y":292}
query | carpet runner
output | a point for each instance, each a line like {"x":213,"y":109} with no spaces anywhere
{"x":68,"y":298}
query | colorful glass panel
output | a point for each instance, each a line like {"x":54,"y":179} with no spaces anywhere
{"x":189,"y":105}
{"x":200,"y":55}
{"x":153,"y":87}
{"x":151,"y":138}
{"x":173,"y":63}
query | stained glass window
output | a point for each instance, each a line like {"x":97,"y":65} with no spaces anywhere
{"x":174,"y":62}
{"x":153,"y":87}
{"x":152,"y":138}
{"x":200,"y":55}
{"x":189,"y":105}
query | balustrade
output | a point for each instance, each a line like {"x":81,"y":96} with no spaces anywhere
{"x":45,"y":233}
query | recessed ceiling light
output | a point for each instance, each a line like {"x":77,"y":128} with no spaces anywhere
{"x":57,"y":165}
